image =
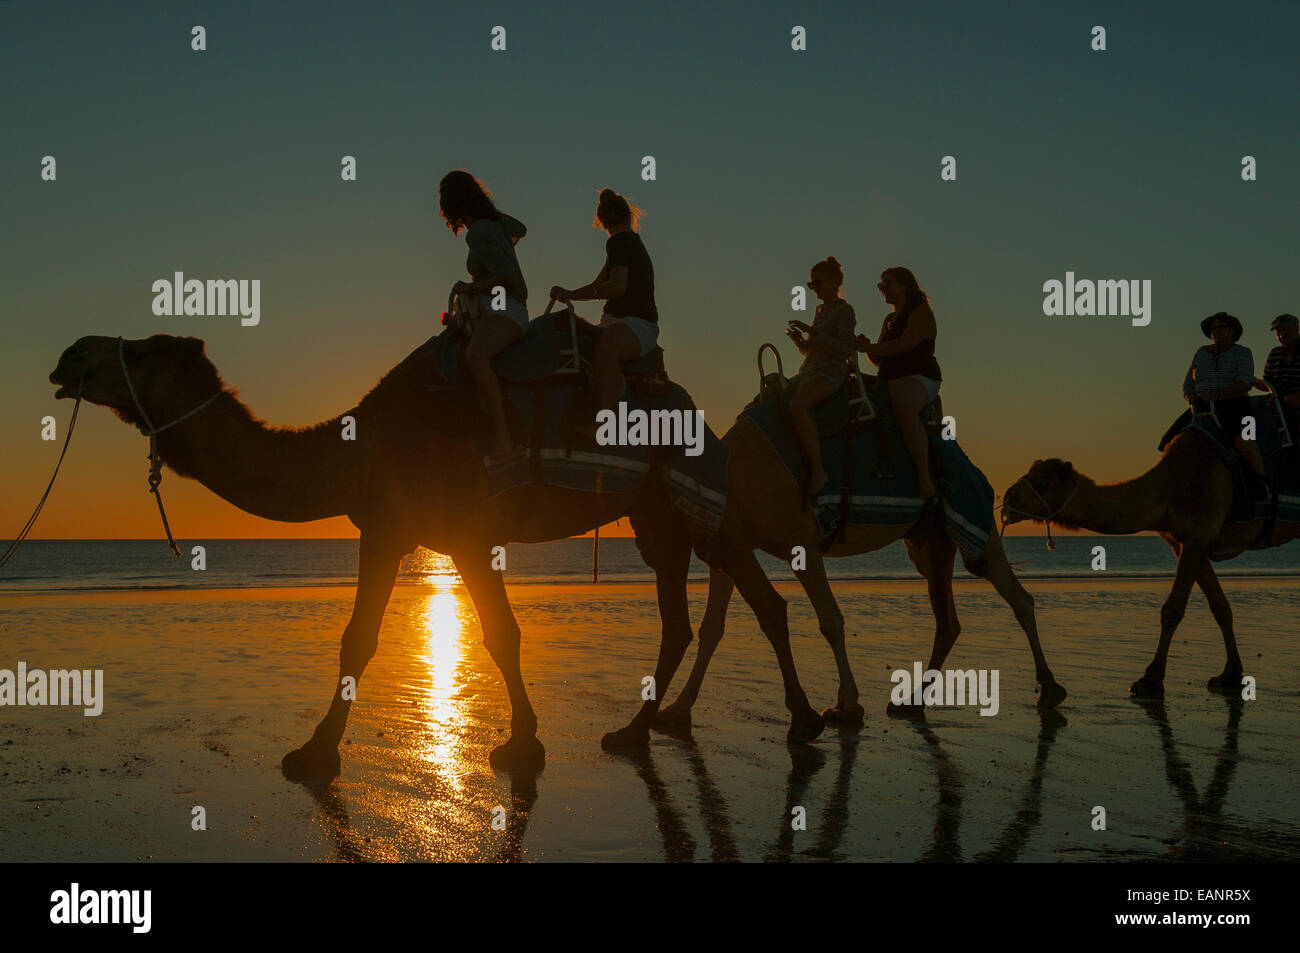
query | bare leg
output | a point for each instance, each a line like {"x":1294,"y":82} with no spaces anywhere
{"x":909,"y":397}
{"x":1230,"y":679}
{"x":812,"y":390}
{"x":616,"y":346}
{"x":1190,"y":559}
{"x":492,"y":334}
{"x":318,"y":759}
{"x":522,"y":752}
{"x":678,"y":714}
{"x":1249,"y":451}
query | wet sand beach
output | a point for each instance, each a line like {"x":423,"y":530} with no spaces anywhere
{"x":207,"y":690}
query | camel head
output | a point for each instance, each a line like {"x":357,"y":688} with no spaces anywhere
{"x":1042,"y":492}
{"x":169,"y":375}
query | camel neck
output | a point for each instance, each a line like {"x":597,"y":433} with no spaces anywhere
{"x":282,"y":474}
{"x":1130,"y":506}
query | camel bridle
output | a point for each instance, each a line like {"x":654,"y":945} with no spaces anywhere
{"x":1047,"y":519}
{"x":155,"y":460}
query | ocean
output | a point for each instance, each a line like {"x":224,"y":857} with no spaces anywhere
{"x":81,"y":565}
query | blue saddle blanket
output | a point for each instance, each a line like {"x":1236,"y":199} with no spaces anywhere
{"x":657,"y":433}
{"x":1281,"y":464}
{"x":883,"y":489}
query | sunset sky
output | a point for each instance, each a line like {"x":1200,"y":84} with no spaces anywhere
{"x":225,"y":164}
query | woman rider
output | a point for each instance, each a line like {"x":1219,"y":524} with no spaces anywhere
{"x":626,"y":283}
{"x":491,"y":235}
{"x":826,"y":353}
{"x":905,"y":356}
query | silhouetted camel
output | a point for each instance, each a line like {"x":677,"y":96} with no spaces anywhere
{"x":1187,"y":499}
{"x":413,"y":476}
{"x":771,"y":516}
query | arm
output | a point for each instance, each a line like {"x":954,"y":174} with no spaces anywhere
{"x":920,"y":327}
{"x":833,"y":340}
{"x":1189,"y":380}
{"x":494,"y":257}
{"x":1245,"y":377}
{"x":514,"y":228}
{"x":610,"y":283}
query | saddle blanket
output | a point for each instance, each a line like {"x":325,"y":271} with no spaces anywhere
{"x":882,"y":484}
{"x":1281,"y":464}
{"x":548,"y":410}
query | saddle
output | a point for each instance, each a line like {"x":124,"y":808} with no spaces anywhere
{"x":1278,"y":450}
{"x":553,"y":346}
{"x":546,"y":379}
{"x":849,"y":411}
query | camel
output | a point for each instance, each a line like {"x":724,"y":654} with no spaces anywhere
{"x":1187,"y":499}
{"x":772,"y":517}
{"x":413,"y":476}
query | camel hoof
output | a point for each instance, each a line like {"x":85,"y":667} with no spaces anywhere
{"x":673,"y":717}
{"x":1227,"y":683}
{"x":1049,"y":696}
{"x":522,"y":753}
{"x":905,"y":711}
{"x":804,"y":727}
{"x":1147,"y":687}
{"x":631,"y":738}
{"x":845,"y":716}
{"x":311,"y":764}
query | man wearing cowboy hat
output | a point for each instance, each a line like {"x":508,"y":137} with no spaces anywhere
{"x":1282,"y":369}
{"x":1221,"y":375}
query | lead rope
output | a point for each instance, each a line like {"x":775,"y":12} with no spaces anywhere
{"x":155,"y":460}
{"x":1051,"y":543}
{"x":31,"y":521}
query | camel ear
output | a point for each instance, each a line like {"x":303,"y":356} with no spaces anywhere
{"x":1067,"y":468}
{"x":193,"y":346}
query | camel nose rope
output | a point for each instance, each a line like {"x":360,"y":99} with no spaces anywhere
{"x":1005,"y":506}
{"x":155,"y":460}
{"x":31,"y":520}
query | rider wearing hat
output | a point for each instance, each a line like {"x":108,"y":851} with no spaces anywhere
{"x":1221,"y":375}
{"x":1282,"y":369}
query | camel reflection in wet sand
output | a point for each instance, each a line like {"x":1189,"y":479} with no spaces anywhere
{"x":844,"y":783}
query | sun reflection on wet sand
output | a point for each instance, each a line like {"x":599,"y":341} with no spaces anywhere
{"x":445,"y":615}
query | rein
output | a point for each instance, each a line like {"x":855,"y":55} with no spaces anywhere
{"x":31,"y":520}
{"x":1006,"y":507}
{"x":155,"y":460}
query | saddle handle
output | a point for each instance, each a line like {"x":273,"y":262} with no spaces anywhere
{"x":1278,"y":409}
{"x":777,"y":354}
{"x":571,"y":360}
{"x":456,"y":314}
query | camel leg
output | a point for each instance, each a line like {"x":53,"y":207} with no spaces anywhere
{"x":669,"y":554}
{"x":1230,"y":679}
{"x":769,"y":607}
{"x":678,"y":714}
{"x":522,"y":752}
{"x":934,"y":557}
{"x":847,"y":711}
{"x":1190,"y":559}
{"x":318,"y":759}
{"x":1003,"y":577}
